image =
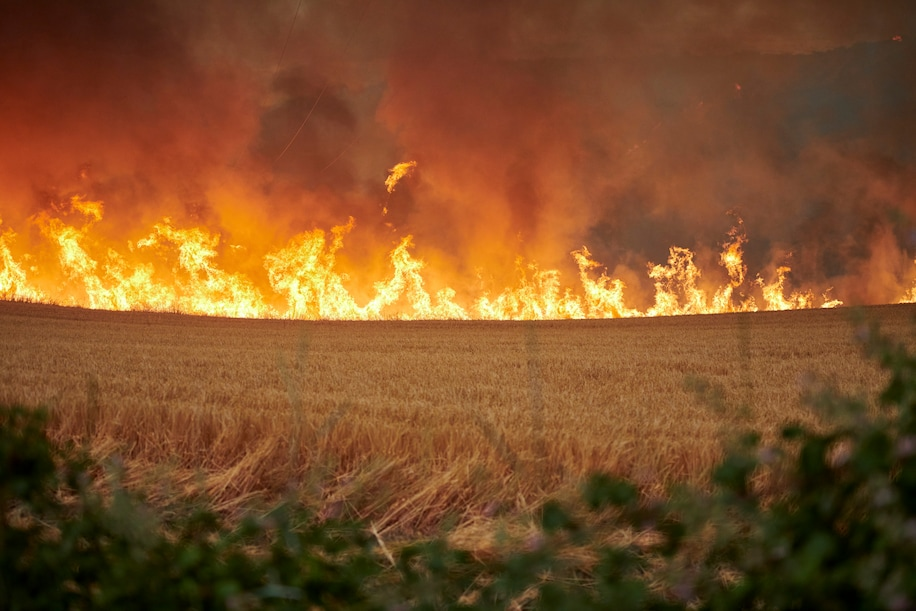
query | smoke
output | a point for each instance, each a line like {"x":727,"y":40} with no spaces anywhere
{"x":537,"y":127}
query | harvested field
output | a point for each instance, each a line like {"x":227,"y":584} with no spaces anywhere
{"x":410,"y":423}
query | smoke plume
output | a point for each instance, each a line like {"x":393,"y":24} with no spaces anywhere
{"x":537,"y":128}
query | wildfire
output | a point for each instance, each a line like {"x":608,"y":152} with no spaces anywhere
{"x":178,"y":269}
{"x":908,"y":297}
{"x":773,"y":293}
{"x":398,"y":172}
{"x":13,"y":283}
{"x":604,"y":296}
{"x":537,"y":297}
{"x":202,"y":287}
{"x":303,"y":271}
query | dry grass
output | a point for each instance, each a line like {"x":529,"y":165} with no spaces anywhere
{"x":407,"y":424}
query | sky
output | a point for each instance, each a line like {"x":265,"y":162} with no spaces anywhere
{"x":537,"y":127}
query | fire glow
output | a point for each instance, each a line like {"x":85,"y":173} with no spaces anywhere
{"x":179,"y":269}
{"x":492,"y":160}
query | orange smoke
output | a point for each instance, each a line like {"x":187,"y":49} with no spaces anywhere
{"x":219,"y":149}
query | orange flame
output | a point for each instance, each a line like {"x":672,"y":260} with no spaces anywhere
{"x":303,"y":271}
{"x":676,"y":284}
{"x":536,"y":298}
{"x":773,"y":293}
{"x":13,"y":284}
{"x":910,"y":295}
{"x":604,"y":296}
{"x":74,"y":260}
{"x":398,"y":172}
{"x":204,"y":288}
{"x":178,"y":269}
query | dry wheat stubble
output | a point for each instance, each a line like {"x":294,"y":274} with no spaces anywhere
{"x":407,"y":422}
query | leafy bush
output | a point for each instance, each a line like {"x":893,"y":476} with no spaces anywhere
{"x":823,"y":519}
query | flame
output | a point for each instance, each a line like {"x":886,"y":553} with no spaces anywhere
{"x":828,"y":302}
{"x":398,"y":172}
{"x":676,"y":284}
{"x":732,"y":259}
{"x":179,"y":269}
{"x":773,"y":293}
{"x":604,"y":296}
{"x":732,"y":256}
{"x":407,"y":283}
{"x":13,"y":284}
{"x":908,"y":297}
{"x":677,"y":278}
{"x":537,"y":297}
{"x":90,"y":209}
{"x":74,"y":260}
{"x":303,"y":271}
{"x":204,"y":288}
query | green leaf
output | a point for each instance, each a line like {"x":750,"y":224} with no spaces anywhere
{"x":602,"y":490}
{"x":554,"y":518}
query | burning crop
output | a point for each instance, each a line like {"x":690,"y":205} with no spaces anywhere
{"x":179,"y":269}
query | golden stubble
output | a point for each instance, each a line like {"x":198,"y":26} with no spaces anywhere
{"x":411,"y":423}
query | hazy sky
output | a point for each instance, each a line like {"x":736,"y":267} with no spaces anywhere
{"x":537,"y":126}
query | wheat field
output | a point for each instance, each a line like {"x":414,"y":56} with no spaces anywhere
{"x":410,"y":424}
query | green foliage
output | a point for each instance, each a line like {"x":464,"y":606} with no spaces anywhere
{"x":823,"y":519}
